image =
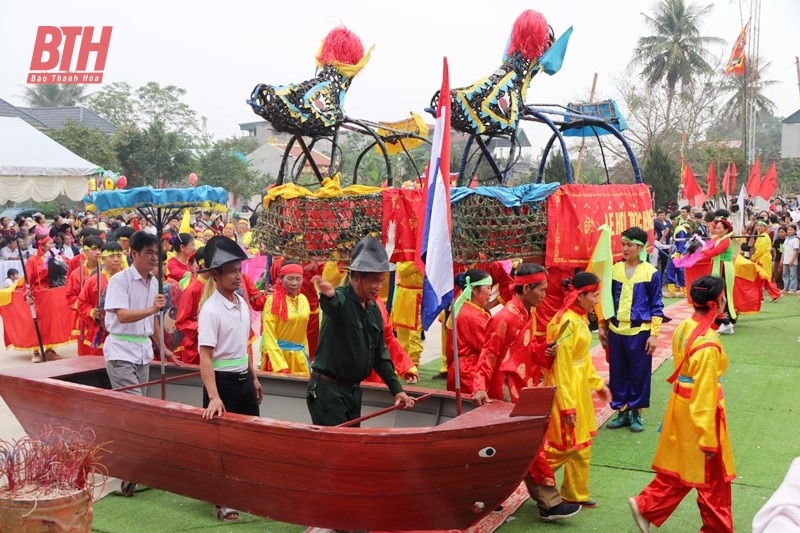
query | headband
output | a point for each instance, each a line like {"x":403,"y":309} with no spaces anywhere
{"x":279,"y":307}
{"x":291,"y":268}
{"x":466,"y":294}
{"x":643,"y":252}
{"x":634,"y":241}
{"x":41,"y":242}
{"x":572,"y":296}
{"x":762,"y":223}
{"x":530,"y":279}
{"x":109,"y":253}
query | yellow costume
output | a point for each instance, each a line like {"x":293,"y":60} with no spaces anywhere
{"x":575,"y":377}
{"x":284,"y":343}
{"x":406,"y":309}
{"x":695,"y":420}
{"x":762,"y":254}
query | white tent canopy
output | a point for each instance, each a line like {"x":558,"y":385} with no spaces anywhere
{"x":34,"y":166}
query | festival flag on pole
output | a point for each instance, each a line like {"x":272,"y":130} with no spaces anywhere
{"x":436,"y":250}
{"x":600,"y":264}
{"x":734,"y":173}
{"x":754,"y":181}
{"x":726,"y":181}
{"x":691,"y":189}
{"x":711,"y":180}
{"x":770,"y":184}
{"x":740,"y":203}
{"x":736,"y":62}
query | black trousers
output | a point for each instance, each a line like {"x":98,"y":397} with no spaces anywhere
{"x":237,"y":395}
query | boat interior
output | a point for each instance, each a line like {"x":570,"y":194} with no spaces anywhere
{"x":285,"y":396}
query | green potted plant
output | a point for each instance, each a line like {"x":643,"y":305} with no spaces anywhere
{"x":47,"y":481}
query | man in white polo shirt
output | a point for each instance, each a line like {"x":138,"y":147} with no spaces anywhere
{"x":229,"y":379}
{"x":132,"y":305}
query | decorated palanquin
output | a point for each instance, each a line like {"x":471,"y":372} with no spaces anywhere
{"x":547,"y":223}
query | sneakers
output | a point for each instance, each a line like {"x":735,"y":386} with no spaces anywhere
{"x":559,"y":512}
{"x":642,"y":522}
{"x":36,"y":357}
{"x":622,"y":420}
{"x":588,"y":504}
{"x":725,"y":329}
{"x":636,"y":421}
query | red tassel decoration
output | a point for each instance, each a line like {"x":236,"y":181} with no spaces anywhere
{"x":530,"y":35}
{"x":341,"y":46}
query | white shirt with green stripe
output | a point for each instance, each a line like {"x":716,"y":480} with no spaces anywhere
{"x":225,"y":327}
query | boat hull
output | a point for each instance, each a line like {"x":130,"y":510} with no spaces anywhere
{"x":441,"y":477}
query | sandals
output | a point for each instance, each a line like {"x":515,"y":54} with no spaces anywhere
{"x":128,"y":488}
{"x":226,"y":514}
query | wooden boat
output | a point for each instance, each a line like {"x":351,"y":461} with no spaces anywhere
{"x":431,"y":470}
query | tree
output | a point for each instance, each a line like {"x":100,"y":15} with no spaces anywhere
{"x":555,"y":170}
{"x":115,"y":103}
{"x":752,"y":90}
{"x":676,"y":52}
{"x":55,"y":95}
{"x":662,"y":174}
{"x":91,"y":144}
{"x":150,"y":155}
{"x":150,"y":104}
{"x":224,"y":165}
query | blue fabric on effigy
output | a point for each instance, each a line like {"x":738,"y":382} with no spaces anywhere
{"x":144,"y":197}
{"x":530,"y":193}
{"x":605,"y":111}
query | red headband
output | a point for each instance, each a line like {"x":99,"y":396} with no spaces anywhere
{"x":530,"y":279}
{"x":572,"y":296}
{"x":291,"y":268}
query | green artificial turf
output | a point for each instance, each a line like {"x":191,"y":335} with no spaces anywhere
{"x":762,"y":390}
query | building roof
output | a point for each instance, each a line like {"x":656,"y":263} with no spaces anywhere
{"x":794,"y":118}
{"x":9,"y":110}
{"x":56,"y":117}
{"x":504,"y":142}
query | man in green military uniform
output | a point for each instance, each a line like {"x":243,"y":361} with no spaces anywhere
{"x":351,"y":340}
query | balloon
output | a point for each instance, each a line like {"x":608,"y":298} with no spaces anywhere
{"x":122,"y":182}
{"x":109,"y":184}
{"x":192,"y":179}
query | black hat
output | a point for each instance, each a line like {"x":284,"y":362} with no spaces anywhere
{"x":369,"y":255}
{"x":220,"y":250}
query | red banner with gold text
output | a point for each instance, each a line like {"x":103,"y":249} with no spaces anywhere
{"x":574,"y":212}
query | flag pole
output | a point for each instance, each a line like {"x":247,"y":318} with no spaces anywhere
{"x":456,"y":369}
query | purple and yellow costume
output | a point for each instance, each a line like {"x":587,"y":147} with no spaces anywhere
{"x":638,"y":312}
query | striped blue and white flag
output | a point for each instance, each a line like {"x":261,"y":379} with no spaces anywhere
{"x":436,"y":249}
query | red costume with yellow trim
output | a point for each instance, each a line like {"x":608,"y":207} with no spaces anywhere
{"x":93,"y":334}
{"x":471,"y":337}
{"x":76,"y":282}
{"x":512,"y":358}
{"x":186,"y":320}
{"x":403,"y":364}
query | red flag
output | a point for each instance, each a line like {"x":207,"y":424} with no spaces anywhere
{"x":754,"y":181}
{"x":691,"y":189}
{"x":736,"y":62}
{"x":770,"y":184}
{"x":726,"y":180}
{"x":711,"y":180}
{"x":734,"y":173}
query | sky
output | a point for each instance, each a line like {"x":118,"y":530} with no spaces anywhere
{"x":218,"y":51}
